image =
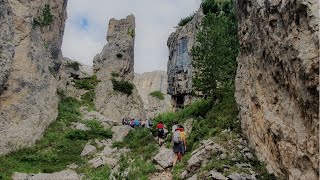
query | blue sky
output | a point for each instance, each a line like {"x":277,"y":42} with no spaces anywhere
{"x":86,"y":27}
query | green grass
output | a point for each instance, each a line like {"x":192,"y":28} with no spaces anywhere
{"x":122,"y":86}
{"x":100,"y":173}
{"x":87,"y":83}
{"x":88,"y":98}
{"x":157,"y":94}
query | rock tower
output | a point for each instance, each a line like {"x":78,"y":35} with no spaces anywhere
{"x":116,"y":61}
{"x":179,"y":70}
{"x":30,"y":58}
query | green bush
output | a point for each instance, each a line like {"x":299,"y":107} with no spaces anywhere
{"x":122,"y":86}
{"x":46,"y":19}
{"x":119,"y":55}
{"x":157,"y":94}
{"x":114,"y":74}
{"x":86,"y":83}
{"x":131,"y":32}
{"x":185,"y":20}
{"x":74,"y":65}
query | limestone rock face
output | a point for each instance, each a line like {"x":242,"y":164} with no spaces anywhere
{"x":149,"y":82}
{"x":30,"y":57}
{"x":68,"y":74}
{"x":277,"y":83}
{"x":116,"y":61}
{"x":179,"y":70}
{"x":63,"y":175}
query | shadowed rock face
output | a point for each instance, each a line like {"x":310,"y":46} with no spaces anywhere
{"x":117,"y":57}
{"x":30,"y":56}
{"x":277,"y":83}
{"x":179,"y":70}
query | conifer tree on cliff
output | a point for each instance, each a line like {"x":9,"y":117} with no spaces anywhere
{"x":214,"y":55}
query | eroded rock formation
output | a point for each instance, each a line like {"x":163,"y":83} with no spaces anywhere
{"x":116,"y":61}
{"x":277,"y":83}
{"x":30,"y":57}
{"x":179,"y":70}
{"x":149,"y":82}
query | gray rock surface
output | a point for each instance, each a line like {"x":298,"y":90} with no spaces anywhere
{"x":277,"y":83}
{"x":79,"y":126}
{"x":88,"y":150}
{"x":179,"y":70}
{"x":94,"y":115}
{"x":117,"y":57}
{"x":30,"y":56}
{"x":119,"y":132}
{"x":217,"y":176}
{"x":203,"y":154}
{"x":149,"y":82}
{"x":62,"y":175}
{"x":165,"y":157}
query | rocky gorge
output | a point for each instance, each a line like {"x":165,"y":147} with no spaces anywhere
{"x":60,"y":119}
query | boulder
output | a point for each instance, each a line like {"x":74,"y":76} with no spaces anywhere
{"x":164,"y":158}
{"x":79,"y":126}
{"x":214,"y":175}
{"x":62,"y":175}
{"x":119,"y":132}
{"x":203,"y":154}
{"x":88,"y":150}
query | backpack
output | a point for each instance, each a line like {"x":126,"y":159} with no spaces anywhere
{"x":176,"y":137}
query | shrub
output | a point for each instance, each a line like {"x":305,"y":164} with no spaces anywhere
{"x":86,"y":83}
{"x":131,"y":32}
{"x":119,"y":55}
{"x":122,"y":86}
{"x":74,"y":65}
{"x":46,"y":19}
{"x":185,"y":20}
{"x":114,"y":74}
{"x":157,"y":94}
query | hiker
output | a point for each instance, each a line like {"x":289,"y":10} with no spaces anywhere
{"x":132,"y":123}
{"x":160,"y":126}
{"x":136,"y":123}
{"x":143,"y":123}
{"x":179,"y":143}
{"x":174,"y":127}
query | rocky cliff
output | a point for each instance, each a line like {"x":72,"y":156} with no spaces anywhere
{"x":30,"y":53}
{"x":149,"y":82}
{"x":116,"y":62}
{"x":179,"y":69}
{"x":277,"y":83}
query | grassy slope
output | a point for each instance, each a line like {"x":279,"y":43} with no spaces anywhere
{"x":60,"y":145}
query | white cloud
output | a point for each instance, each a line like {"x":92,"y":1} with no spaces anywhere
{"x":155,"y":20}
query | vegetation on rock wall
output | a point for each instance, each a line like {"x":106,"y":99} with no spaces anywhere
{"x":122,"y":86}
{"x":157,"y":94}
{"x":74,"y":65}
{"x":185,"y":20}
{"x":46,"y":17}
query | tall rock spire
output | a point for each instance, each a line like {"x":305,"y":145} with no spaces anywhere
{"x":116,"y":61}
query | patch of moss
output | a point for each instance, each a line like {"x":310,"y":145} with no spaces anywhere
{"x":157,"y":94}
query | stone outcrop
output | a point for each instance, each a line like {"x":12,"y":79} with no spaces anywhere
{"x":116,"y":61}
{"x":69,"y":72}
{"x":164,"y":158}
{"x":149,"y":82}
{"x":63,"y":175}
{"x":277,"y":83}
{"x":179,"y":70}
{"x":30,"y":57}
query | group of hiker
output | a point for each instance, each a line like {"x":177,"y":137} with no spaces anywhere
{"x":178,"y":139}
{"x":137,"y":122}
{"x":178,"y":134}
